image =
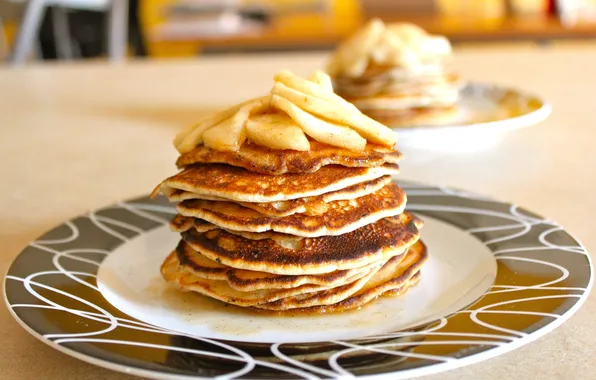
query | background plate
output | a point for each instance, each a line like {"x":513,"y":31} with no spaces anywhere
{"x":543,"y":276}
{"x":486,"y":112}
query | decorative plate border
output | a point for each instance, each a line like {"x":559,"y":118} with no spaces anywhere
{"x":544,"y":276}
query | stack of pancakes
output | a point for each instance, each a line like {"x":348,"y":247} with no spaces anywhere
{"x":397,"y":74}
{"x":312,"y":231}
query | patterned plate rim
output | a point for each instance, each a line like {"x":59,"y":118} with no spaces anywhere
{"x":415,"y":353}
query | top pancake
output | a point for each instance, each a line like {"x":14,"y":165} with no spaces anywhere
{"x":263,"y":160}
{"x":238,"y":184}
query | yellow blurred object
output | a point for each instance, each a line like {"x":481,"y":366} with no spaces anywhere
{"x":10,"y":29}
{"x":185,"y":27}
{"x":529,"y":7}
{"x":485,"y":12}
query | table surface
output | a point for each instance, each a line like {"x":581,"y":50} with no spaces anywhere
{"x":74,"y":137}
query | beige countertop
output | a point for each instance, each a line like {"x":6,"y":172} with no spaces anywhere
{"x":77,"y":137}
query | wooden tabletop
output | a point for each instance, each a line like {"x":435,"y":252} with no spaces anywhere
{"x":79,"y":136}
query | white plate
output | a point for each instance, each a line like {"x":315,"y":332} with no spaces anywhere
{"x":485,"y":114}
{"x":497,"y":277}
{"x":459,"y":271}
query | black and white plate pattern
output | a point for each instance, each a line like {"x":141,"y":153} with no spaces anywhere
{"x":534,"y":277}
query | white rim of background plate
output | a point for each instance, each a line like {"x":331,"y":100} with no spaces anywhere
{"x":517,"y":122}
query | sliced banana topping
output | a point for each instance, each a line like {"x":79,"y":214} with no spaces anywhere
{"x":295,"y":108}
{"x":396,"y":44}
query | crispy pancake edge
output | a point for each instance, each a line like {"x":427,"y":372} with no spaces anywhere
{"x":300,"y":205}
{"x":395,"y":286}
{"x":231,"y":275}
{"x":386,"y":202}
{"x":240,"y":185}
{"x":263,"y":160}
{"x":367,"y":246}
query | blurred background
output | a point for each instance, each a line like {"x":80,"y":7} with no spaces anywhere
{"x":117,"y":29}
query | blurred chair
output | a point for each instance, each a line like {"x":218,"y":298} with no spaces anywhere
{"x":33,"y":15}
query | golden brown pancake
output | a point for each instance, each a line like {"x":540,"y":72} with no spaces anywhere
{"x":182,"y":223}
{"x":310,"y":205}
{"x":222,"y":291}
{"x":394,"y":278}
{"x":241,"y":185}
{"x":323,"y":297}
{"x":263,"y":160}
{"x":391,"y":276}
{"x":373,"y":242}
{"x":341,"y":216}
{"x":245,"y":280}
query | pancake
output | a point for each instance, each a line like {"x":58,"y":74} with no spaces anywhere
{"x":396,"y":72}
{"x":182,"y":223}
{"x":390,"y":102}
{"x":263,"y":160}
{"x":310,"y":205}
{"x":244,"y":280}
{"x":325,"y":297}
{"x":424,"y":85}
{"x":393,"y":279}
{"x":373,"y":242}
{"x":221,"y":290}
{"x":391,"y":276}
{"x":341,"y":216}
{"x":410,"y":78}
{"x":241,"y":185}
{"x":396,"y":288}
{"x":275,"y":217}
{"x":424,"y":116}
{"x":401,"y":290}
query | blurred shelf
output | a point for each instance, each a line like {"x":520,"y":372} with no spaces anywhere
{"x":281,"y":37}
{"x":511,"y":28}
{"x":536,"y":29}
{"x":271,"y":42}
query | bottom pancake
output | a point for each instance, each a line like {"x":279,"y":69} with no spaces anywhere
{"x":393,"y":277}
{"x":222,"y":291}
{"x":246,"y":280}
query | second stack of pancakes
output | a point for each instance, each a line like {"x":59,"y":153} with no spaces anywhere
{"x":314,"y":231}
{"x":397,"y":74}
